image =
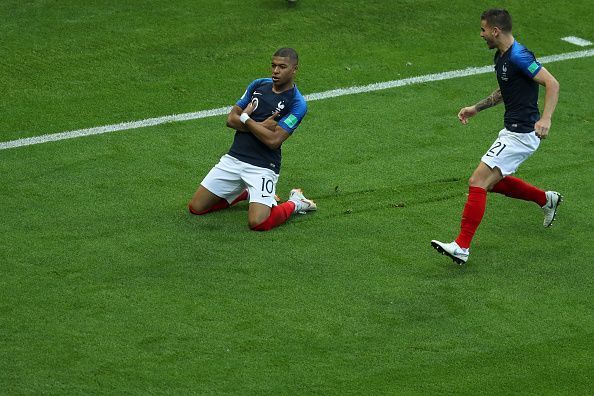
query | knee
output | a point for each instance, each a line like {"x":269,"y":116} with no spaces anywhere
{"x":256,"y":225}
{"x":252,"y":224}
{"x":474,"y":181}
{"x":193,"y":210}
{"x":477,"y":181}
{"x":259,"y":224}
{"x":257,"y":219}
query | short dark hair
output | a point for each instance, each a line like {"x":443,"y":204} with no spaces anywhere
{"x":288,"y":53}
{"x":498,"y":17}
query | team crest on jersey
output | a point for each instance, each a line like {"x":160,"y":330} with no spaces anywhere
{"x":280,"y":106}
{"x":504,"y":73}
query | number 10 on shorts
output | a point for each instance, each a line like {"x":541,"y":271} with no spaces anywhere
{"x":267,"y":185}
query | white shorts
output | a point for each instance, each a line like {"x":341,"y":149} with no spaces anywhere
{"x":231,"y":176}
{"x":510,"y":150}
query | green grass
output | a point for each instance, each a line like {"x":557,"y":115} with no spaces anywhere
{"x":109,"y":286}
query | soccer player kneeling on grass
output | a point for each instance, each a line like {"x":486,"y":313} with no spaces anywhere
{"x":519,"y":75}
{"x":266,"y":115}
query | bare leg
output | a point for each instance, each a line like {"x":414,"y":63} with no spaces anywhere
{"x":203,"y":201}
{"x":257,"y":213}
{"x":485,"y":177}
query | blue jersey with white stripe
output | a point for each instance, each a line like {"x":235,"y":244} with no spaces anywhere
{"x":291,"y":108}
{"x":515,"y":70}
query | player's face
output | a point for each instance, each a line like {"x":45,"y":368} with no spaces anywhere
{"x":283,"y":71}
{"x":489,"y":34}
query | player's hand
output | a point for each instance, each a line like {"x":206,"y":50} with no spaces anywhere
{"x":466,"y":113}
{"x":541,"y":128}
{"x":270,"y":123}
{"x":249,"y":109}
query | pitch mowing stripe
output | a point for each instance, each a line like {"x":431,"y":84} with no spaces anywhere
{"x":471,"y":71}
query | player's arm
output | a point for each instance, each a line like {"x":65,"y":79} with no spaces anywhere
{"x":234,"y":122}
{"x":233,"y":116}
{"x":492,"y":100}
{"x":546,"y":79}
{"x":272,"y":138}
{"x":233,"y":119}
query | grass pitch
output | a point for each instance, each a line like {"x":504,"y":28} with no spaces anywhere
{"x":109,"y":286}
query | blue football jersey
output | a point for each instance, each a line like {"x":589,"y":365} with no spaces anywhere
{"x":515,"y":70}
{"x":291,"y":108}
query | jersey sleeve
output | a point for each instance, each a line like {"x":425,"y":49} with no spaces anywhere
{"x":291,"y":121}
{"x":526,"y":62}
{"x":247,"y":95}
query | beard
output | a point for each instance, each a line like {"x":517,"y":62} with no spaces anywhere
{"x":490,"y":44}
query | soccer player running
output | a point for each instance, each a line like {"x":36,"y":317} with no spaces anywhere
{"x":519,"y":75}
{"x":266,"y":115}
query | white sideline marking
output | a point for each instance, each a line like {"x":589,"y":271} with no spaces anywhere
{"x":577,"y":41}
{"x":471,"y":71}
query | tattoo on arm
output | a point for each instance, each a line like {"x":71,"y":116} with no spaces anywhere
{"x":494,"y":99}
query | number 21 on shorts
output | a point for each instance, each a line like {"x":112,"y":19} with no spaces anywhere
{"x":496,"y":149}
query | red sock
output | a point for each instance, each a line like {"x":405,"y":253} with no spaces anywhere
{"x":278,"y":215}
{"x":472,"y":215}
{"x":517,"y":188}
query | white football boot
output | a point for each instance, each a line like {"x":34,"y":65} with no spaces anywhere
{"x":302,"y":204}
{"x":550,"y":208}
{"x":452,"y":250}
